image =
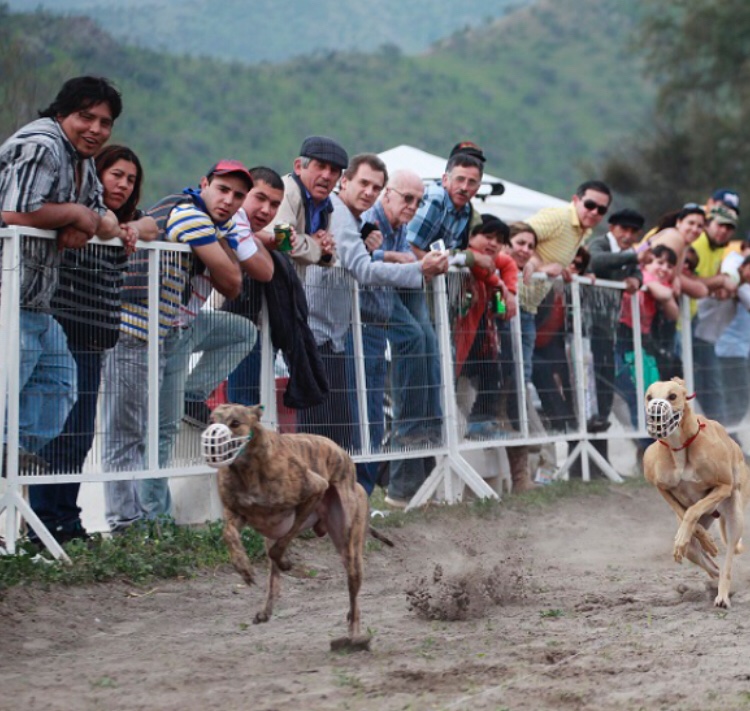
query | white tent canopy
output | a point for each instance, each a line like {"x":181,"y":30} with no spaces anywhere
{"x":516,"y":202}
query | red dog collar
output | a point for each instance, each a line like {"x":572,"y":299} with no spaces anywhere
{"x":701,"y":426}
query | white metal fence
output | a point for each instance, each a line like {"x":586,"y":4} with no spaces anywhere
{"x":474,"y":354}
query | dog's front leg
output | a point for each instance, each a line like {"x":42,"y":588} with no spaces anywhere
{"x":237,"y":553}
{"x":705,"y":505}
{"x":274,"y":586}
{"x":703,"y":536}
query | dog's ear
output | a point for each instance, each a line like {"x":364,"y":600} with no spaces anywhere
{"x":257,"y":410}
{"x":679,"y":381}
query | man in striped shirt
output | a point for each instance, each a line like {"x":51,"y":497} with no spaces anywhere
{"x":48,"y":181}
{"x":204,"y":221}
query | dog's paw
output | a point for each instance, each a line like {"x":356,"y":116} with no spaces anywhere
{"x":358,"y":643}
{"x":261,"y":617}
{"x":681,"y":541}
{"x":722,"y":601}
{"x":284,"y":564}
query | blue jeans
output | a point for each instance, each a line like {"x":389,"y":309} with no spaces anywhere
{"x":243,"y":383}
{"x":373,"y":344}
{"x":48,"y":385}
{"x":225,"y":339}
{"x":57,"y":504}
{"x":708,"y":380}
{"x":734,"y":376}
{"x":528,"y":341}
{"x":125,"y":425}
{"x":416,"y":364}
{"x":415,"y":384}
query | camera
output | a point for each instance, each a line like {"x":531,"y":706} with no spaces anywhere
{"x":367,"y":228}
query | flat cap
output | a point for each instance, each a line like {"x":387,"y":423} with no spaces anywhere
{"x":326,"y":150}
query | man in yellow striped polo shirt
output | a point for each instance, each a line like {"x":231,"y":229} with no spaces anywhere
{"x":560,"y":232}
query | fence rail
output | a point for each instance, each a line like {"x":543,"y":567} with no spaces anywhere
{"x":480,"y":390}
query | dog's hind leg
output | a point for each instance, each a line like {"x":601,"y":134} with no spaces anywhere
{"x":237,"y":554}
{"x":696,"y":554}
{"x":349,"y":541}
{"x":733,"y":523}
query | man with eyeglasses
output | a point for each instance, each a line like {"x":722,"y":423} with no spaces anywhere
{"x":385,"y":316}
{"x":560,"y":232}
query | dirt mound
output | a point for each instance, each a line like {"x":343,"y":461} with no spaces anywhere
{"x":468,"y":593}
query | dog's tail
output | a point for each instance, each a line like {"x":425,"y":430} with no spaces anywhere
{"x":379,"y":536}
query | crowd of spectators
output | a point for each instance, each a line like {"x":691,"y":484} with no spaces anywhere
{"x":85,"y":307}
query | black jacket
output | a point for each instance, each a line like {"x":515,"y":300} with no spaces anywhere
{"x":287,"y":319}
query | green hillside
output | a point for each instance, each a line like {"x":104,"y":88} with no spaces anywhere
{"x":546,"y":91}
{"x":276,"y":30}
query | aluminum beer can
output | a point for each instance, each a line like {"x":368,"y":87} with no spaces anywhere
{"x":283,"y":234}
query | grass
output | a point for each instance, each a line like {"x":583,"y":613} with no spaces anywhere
{"x":159,"y":549}
{"x":162,"y":549}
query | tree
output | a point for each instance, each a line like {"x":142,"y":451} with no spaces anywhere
{"x":698,"y":53}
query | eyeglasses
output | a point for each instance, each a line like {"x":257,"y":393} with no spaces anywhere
{"x":593,"y":205}
{"x":409,"y":198}
{"x":694,"y":206}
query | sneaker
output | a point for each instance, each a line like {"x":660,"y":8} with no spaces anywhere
{"x":197,"y":414}
{"x":395,"y":503}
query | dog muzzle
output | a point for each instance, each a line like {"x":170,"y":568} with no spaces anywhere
{"x":219,"y":446}
{"x":661,"y":418}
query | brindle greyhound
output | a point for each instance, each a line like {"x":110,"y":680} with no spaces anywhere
{"x":282,"y":484}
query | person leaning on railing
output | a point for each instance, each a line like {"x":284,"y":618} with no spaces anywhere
{"x":87,"y":306}
{"x":490,"y":295}
{"x":48,"y":181}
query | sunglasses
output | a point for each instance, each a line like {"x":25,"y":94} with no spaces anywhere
{"x":593,"y":205}
{"x":409,"y":198}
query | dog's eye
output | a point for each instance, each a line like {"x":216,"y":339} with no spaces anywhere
{"x":233,"y":424}
{"x":649,"y":397}
{"x":672,"y":396}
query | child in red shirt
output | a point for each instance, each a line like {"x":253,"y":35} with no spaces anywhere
{"x":657,"y":294}
{"x":477,"y":346}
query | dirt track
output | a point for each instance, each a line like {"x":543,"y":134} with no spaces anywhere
{"x":576,"y":605}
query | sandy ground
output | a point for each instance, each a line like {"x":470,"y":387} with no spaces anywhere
{"x":575,"y":605}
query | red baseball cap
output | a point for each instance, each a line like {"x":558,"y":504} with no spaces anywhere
{"x":229,"y":167}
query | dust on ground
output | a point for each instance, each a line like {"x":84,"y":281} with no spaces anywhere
{"x":571,"y":605}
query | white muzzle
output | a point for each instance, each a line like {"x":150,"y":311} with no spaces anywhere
{"x":219,"y":446}
{"x":661,"y":418}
